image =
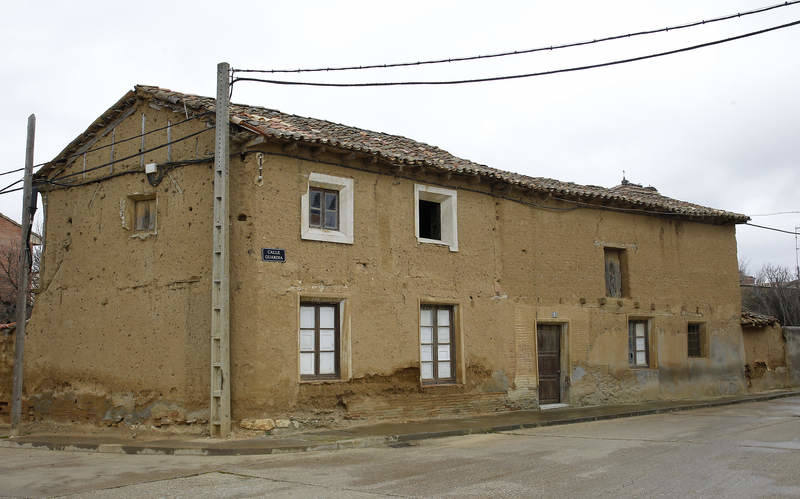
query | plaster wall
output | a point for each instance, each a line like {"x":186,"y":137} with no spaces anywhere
{"x":121,"y":321}
{"x":120,"y":330}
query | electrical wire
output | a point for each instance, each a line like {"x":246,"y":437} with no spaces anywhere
{"x":771,"y":228}
{"x":518,"y":76}
{"x":776,"y":213}
{"x":20,"y":169}
{"x":11,"y":185}
{"x":134,"y":137}
{"x":169,"y":166}
{"x":11,"y":190}
{"x":526,"y":51}
{"x":12,"y":171}
{"x":126,"y":157}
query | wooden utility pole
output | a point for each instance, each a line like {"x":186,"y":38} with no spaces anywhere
{"x":220,"y":413}
{"x":22,"y":280}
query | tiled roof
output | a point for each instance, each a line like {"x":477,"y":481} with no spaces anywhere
{"x":399,"y":150}
{"x":752,"y":319}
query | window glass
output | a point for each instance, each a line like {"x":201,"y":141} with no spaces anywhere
{"x":436,"y":350}
{"x":319,"y":341}
{"x":323,"y":215}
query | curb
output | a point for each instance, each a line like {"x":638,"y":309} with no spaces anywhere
{"x":398,"y":440}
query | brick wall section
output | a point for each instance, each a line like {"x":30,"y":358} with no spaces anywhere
{"x":428,"y":405}
{"x":6,"y":371}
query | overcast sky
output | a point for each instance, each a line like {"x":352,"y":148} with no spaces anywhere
{"x":717,"y":126}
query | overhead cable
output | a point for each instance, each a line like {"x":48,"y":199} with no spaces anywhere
{"x":526,"y":51}
{"x":772,"y":228}
{"x":518,"y":76}
{"x":776,"y":213}
{"x":134,"y":137}
{"x":118,"y":160}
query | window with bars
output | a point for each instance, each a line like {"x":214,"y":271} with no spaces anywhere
{"x":323,"y":208}
{"x":437,"y":344}
{"x":638,"y":344}
{"x":319,"y":341}
{"x":694,"y":340}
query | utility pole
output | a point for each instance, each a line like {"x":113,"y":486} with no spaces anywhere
{"x":22,"y":279}
{"x":220,"y":413}
{"x":796,"y":253}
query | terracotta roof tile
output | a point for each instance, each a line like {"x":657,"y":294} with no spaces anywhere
{"x":404,"y":151}
{"x":752,"y":319}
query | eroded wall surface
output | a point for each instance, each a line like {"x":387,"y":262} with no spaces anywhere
{"x":120,"y":331}
{"x":765,"y":358}
{"x":516,"y":266}
{"x":120,"y":327}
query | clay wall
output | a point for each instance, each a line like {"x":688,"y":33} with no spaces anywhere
{"x":121,"y":321}
{"x":120,"y":330}
{"x":516,"y":265}
{"x":765,"y":357}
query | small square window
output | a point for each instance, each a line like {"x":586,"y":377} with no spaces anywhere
{"x":145,"y":215}
{"x":436,"y":215}
{"x":327,"y":209}
{"x":437,"y":344}
{"x":319,"y":341}
{"x":638,"y":344}
{"x":323,"y":208}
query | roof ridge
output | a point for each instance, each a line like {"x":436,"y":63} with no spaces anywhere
{"x":401,"y":150}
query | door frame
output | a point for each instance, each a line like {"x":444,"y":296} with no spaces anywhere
{"x":564,"y":381}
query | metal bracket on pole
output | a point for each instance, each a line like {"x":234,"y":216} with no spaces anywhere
{"x":23,"y":286}
{"x":220,"y":413}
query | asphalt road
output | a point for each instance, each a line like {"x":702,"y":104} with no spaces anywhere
{"x":744,"y":450}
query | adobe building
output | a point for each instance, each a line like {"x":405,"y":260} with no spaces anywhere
{"x":371,"y":276}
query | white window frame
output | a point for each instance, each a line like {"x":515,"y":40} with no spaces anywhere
{"x":345,"y":188}
{"x":448,"y":200}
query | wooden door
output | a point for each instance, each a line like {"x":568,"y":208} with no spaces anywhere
{"x":548,"y":341}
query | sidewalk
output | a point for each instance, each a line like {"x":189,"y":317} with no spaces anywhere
{"x":375,"y":435}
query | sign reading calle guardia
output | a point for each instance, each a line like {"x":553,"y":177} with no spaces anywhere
{"x":273,"y":255}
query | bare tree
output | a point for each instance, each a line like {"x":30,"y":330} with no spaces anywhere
{"x":774,"y":293}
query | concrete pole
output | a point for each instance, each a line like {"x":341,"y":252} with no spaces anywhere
{"x":220,"y":412}
{"x":22,"y":281}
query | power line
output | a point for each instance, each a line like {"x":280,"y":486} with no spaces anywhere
{"x":12,"y":171}
{"x":526,"y":51}
{"x":20,"y":169}
{"x":169,"y":166}
{"x":119,"y":142}
{"x":774,"y":214}
{"x":771,"y":228}
{"x":518,"y":76}
{"x":134,"y":137}
{"x":11,"y":185}
{"x":52,"y":180}
{"x":11,"y":190}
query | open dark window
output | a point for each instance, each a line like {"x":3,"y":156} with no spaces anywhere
{"x":430,"y":219}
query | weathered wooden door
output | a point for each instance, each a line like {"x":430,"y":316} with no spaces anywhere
{"x":548,"y":341}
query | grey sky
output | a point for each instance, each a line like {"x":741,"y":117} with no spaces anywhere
{"x":717,"y":126}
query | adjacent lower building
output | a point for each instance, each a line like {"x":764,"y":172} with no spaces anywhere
{"x":371,"y":276}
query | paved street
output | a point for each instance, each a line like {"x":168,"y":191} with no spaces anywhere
{"x":742,"y":450}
